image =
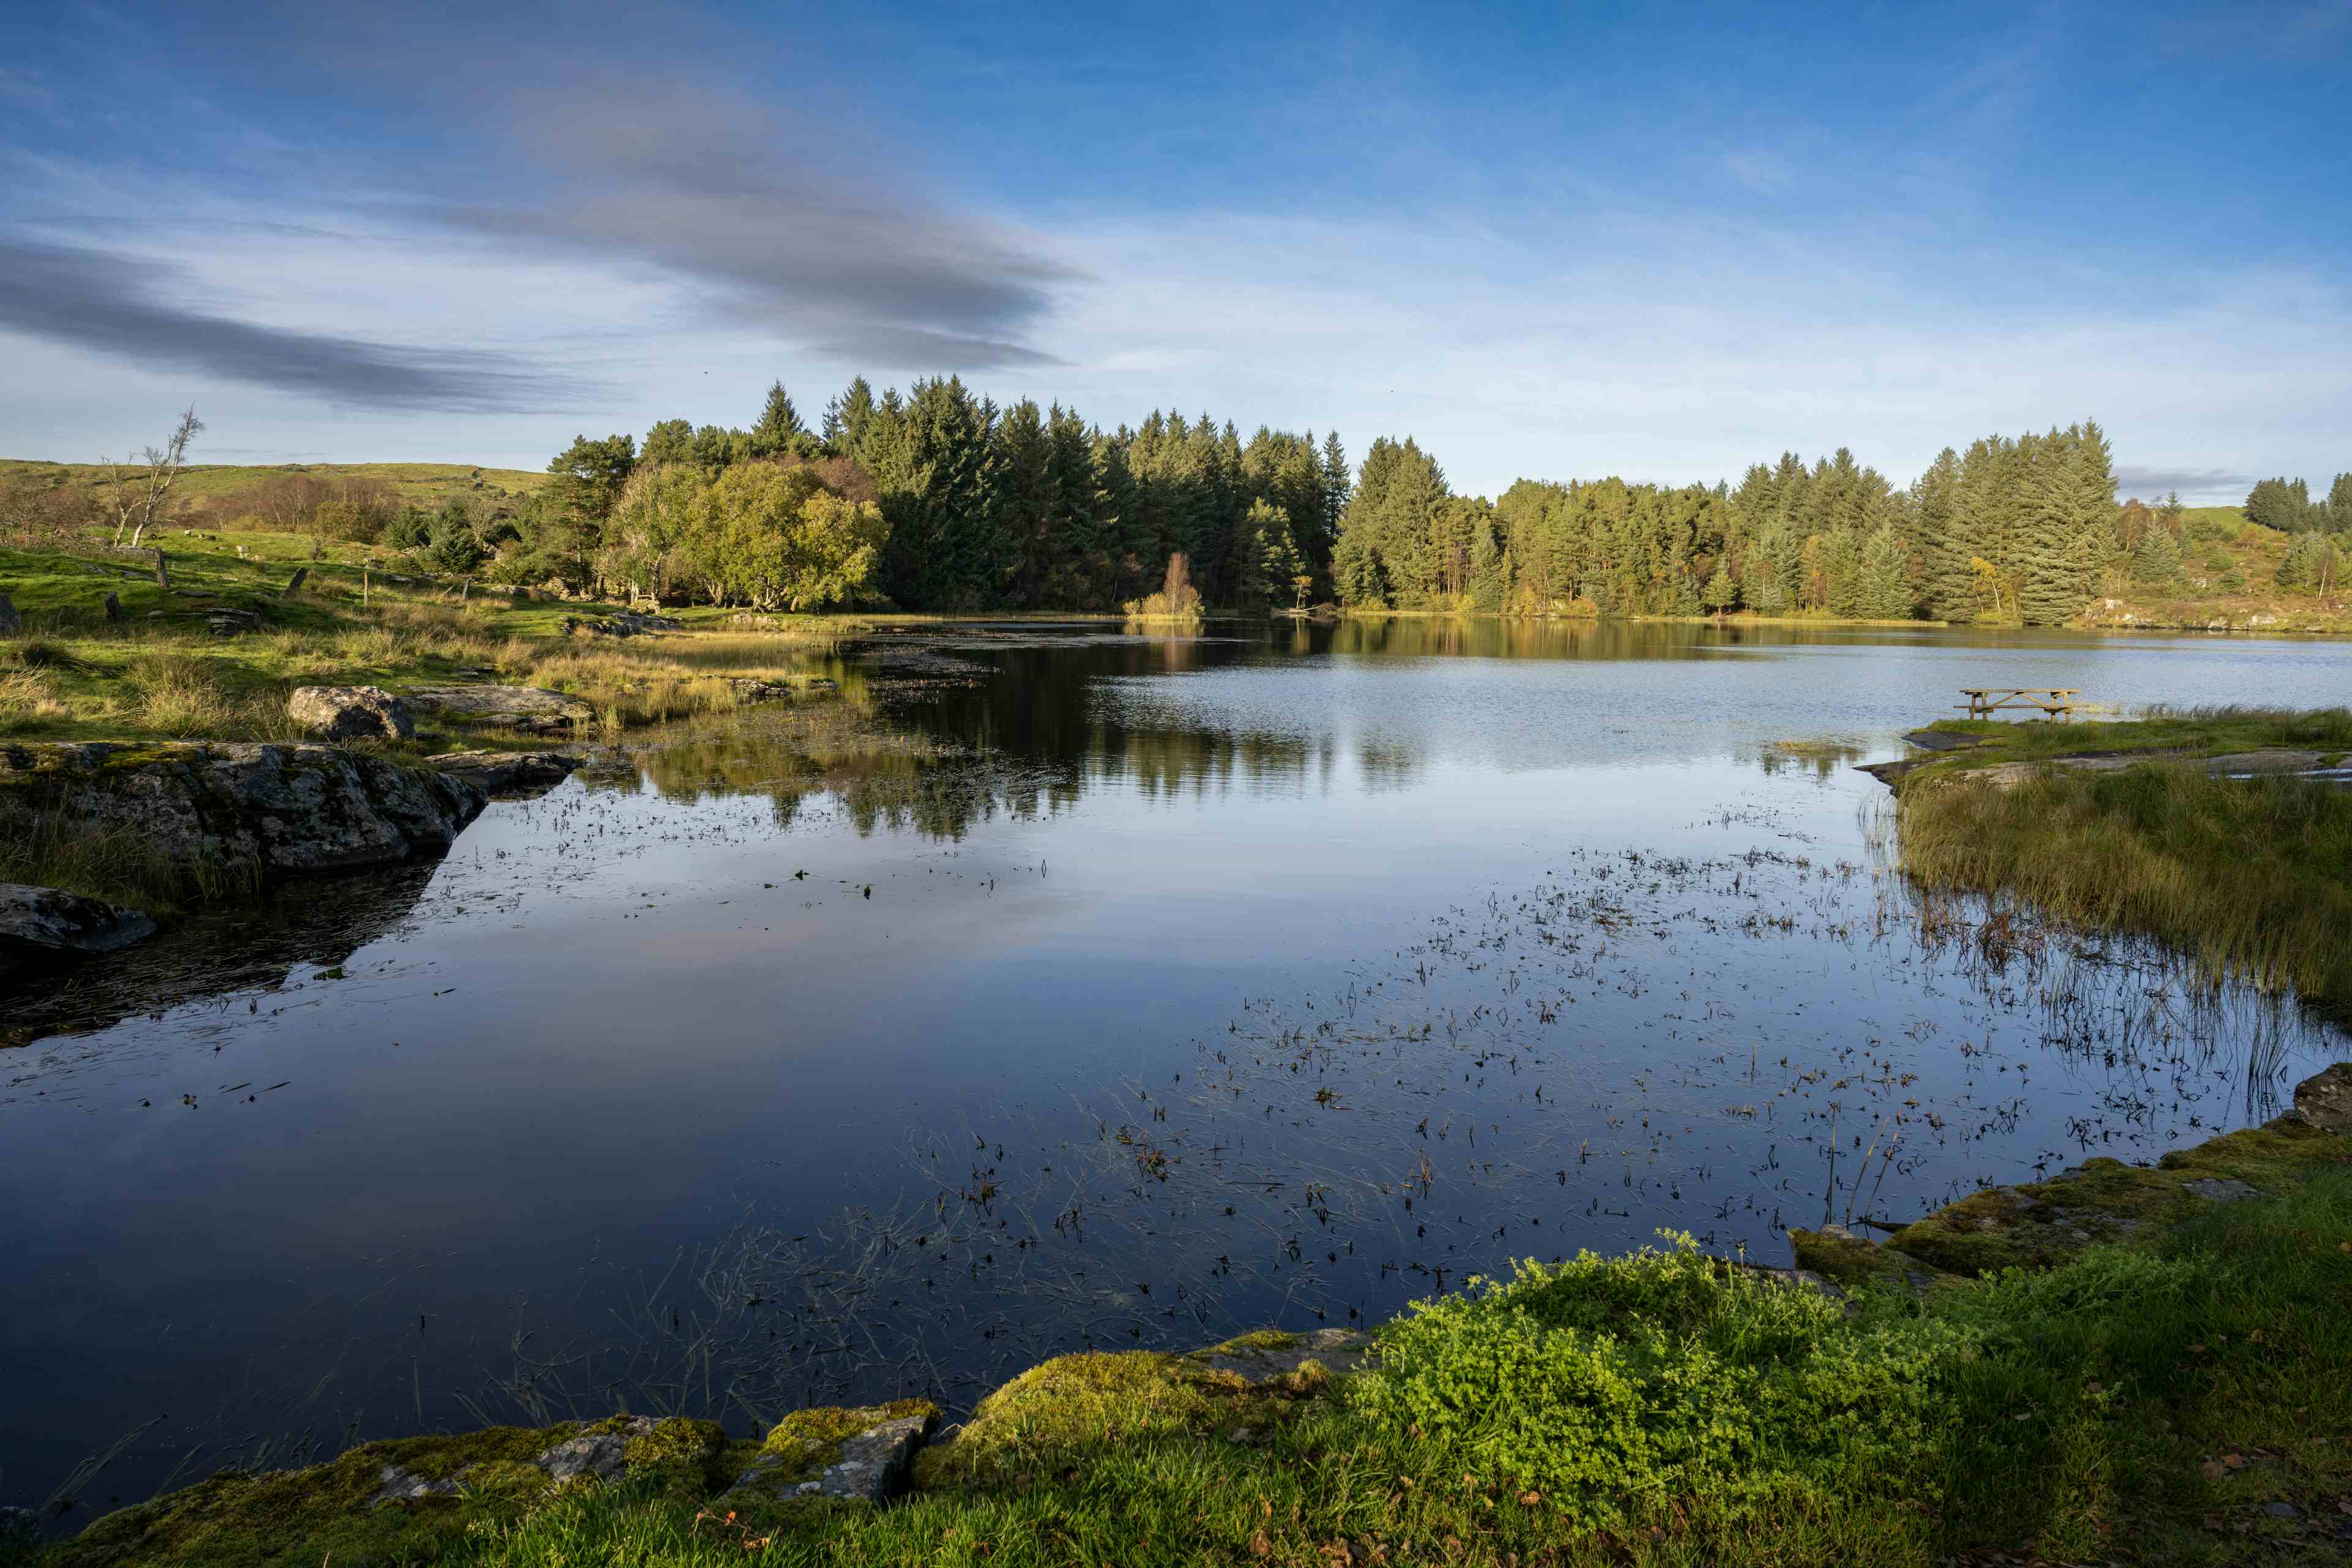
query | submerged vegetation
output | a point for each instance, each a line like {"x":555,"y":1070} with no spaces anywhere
{"x":2245,"y":873}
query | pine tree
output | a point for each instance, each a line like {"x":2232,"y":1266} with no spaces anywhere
{"x":1885,"y":575}
{"x":1722,"y":594}
{"x":670,"y":441}
{"x":2157,"y":563}
{"x":1337,"y":489}
{"x":847,"y":417}
{"x":780,"y":433}
{"x":1273,"y":557}
{"x":1026,"y":499}
{"x":948,"y":550}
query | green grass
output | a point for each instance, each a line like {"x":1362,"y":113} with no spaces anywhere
{"x":2193,"y":731}
{"x":2142,"y":1398}
{"x":158,"y":674}
{"x":425,"y":485}
{"x":2245,"y":876}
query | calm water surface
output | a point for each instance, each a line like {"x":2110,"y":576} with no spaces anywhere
{"x":1147,"y":989}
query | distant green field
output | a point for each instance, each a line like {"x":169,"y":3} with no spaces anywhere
{"x":419,"y":484}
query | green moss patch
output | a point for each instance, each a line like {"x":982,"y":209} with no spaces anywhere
{"x":296,"y":1516}
{"x":1077,"y":1401}
{"x":806,"y":1441}
{"x":2040,"y":1225}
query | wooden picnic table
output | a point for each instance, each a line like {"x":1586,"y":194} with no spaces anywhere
{"x":1984,"y":702}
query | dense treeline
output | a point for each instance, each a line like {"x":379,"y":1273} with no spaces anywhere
{"x":2288,"y":507}
{"x":2013,"y":528}
{"x":934,"y":500}
{"x":941,"y":499}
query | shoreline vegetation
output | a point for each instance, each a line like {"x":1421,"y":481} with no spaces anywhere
{"x":2118,"y":1363}
{"x":2224,"y":833}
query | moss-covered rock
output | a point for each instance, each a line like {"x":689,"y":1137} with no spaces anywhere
{"x":402,"y":1500}
{"x":337,"y":1511}
{"x":2038,"y":1225}
{"x":1270,"y":1356}
{"x":1848,"y":1263}
{"x":854,"y":1452}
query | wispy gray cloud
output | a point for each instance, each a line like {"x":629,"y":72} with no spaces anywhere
{"x":2195,"y":483}
{"x":716,"y":189}
{"x":110,"y":304}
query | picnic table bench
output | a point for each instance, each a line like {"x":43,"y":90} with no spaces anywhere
{"x":1984,"y":702}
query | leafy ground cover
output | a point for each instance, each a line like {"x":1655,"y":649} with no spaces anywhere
{"x":2176,"y":1394}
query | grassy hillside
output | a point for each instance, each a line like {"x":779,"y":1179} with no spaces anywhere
{"x":426,"y":485}
{"x":2231,"y":584}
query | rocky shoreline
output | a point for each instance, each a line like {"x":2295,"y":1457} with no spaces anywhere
{"x":243,"y":812}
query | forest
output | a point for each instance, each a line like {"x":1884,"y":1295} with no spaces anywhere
{"x":941,"y":499}
{"x":936,"y":500}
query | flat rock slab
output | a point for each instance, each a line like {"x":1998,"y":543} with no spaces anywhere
{"x":38,"y":924}
{"x":1263,"y":1357}
{"x":1941,"y":741}
{"x":506,"y":775}
{"x":514,"y":707}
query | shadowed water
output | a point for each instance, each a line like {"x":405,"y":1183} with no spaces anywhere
{"x":1134,"y":991}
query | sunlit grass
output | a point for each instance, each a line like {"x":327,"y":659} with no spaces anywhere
{"x":2245,"y":876}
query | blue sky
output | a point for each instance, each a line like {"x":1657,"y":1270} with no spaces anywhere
{"x":1661,"y":242}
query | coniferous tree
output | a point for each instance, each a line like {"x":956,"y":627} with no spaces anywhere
{"x":670,"y":441}
{"x":1273,"y":557}
{"x":1885,"y":575}
{"x":2157,"y":563}
{"x":780,"y":433}
{"x":1027,"y":503}
{"x":1337,"y":486}
{"x":947,"y":548}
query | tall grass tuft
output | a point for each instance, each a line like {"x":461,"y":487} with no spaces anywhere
{"x":55,"y":848}
{"x":2248,"y":877}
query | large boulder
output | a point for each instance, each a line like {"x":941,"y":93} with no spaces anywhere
{"x":350,"y":713}
{"x":277,"y":808}
{"x":2324,"y":1100}
{"x":512,"y":706}
{"x":38,"y":924}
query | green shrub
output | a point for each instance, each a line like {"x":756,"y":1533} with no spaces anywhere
{"x":1620,"y":1388}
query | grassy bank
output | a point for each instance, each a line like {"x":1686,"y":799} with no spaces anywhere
{"x":2247,"y":875}
{"x":159,"y":674}
{"x":2179,"y":1395}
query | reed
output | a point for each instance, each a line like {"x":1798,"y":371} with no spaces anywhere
{"x":2247,"y":876}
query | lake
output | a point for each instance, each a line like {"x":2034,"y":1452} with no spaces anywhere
{"x":1130,"y":991}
